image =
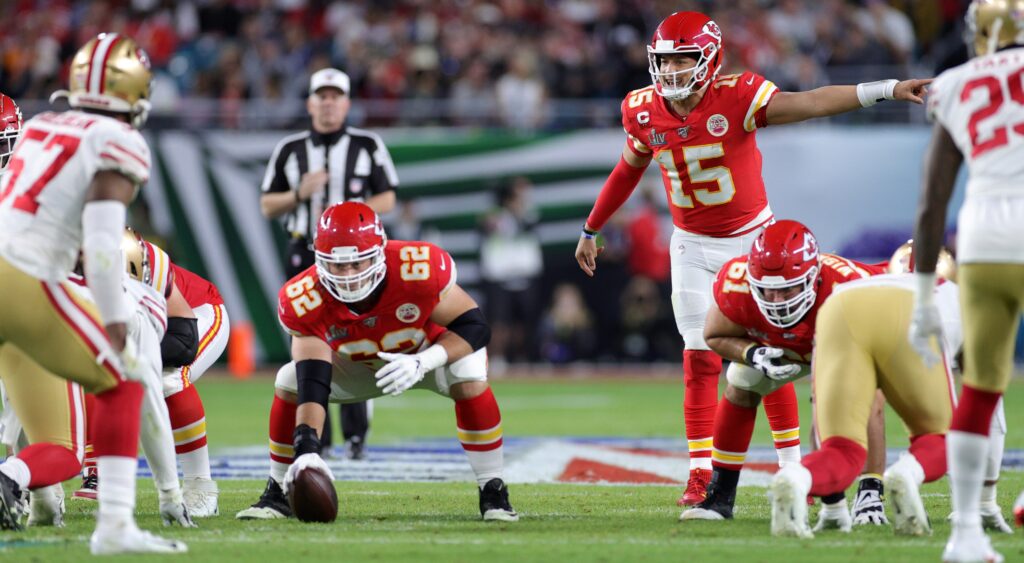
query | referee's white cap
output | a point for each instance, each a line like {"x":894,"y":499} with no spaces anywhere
{"x":329,"y":78}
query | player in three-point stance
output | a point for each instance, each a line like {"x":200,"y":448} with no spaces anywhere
{"x":762,"y":320}
{"x":375,"y":317}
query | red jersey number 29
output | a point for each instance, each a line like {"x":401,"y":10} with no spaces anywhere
{"x":47,"y":160}
{"x":1000,"y":136}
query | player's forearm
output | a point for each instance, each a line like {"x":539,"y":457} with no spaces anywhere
{"x":383,"y":202}
{"x":792,"y":107}
{"x":455,"y":346}
{"x":616,"y":190}
{"x":275,"y":204}
{"x":942,"y":162}
{"x":731,"y":348}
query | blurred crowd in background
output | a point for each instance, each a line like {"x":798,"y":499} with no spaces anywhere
{"x":514,"y":65}
{"x":522,"y":64}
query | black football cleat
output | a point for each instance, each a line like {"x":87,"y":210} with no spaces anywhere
{"x":494,"y":505}
{"x":12,"y":504}
{"x":717,"y":505}
{"x":271,"y":506}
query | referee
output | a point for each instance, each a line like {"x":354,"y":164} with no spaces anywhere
{"x":312,"y":170}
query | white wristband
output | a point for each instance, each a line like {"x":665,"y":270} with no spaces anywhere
{"x":102,"y":230}
{"x":433,"y":357}
{"x":925,"y":287}
{"x":870,"y":93}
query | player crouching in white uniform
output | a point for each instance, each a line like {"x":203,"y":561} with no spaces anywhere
{"x":393,"y":319}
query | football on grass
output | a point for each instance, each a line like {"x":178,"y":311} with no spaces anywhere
{"x":312,"y":497}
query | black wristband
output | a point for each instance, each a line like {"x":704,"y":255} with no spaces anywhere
{"x":305,"y":440}
{"x":591,"y":232}
{"x":833,"y":498}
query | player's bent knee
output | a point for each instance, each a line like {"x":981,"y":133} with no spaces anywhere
{"x":742,"y":397}
{"x":466,"y":390}
{"x":287,"y":380}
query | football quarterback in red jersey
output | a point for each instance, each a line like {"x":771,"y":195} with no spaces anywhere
{"x":373,"y":317}
{"x":762,"y":320}
{"x":700,"y":127}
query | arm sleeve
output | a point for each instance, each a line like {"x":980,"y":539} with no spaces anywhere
{"x":616,"y":190}
{"x":102,"y":229}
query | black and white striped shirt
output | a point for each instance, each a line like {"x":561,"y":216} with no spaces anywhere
{"x":358,"y":165}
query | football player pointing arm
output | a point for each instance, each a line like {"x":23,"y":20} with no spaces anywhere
{"x":700,"y":127}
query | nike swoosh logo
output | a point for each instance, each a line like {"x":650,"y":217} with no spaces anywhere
{"x":444,"y":264}
{"x":751,"y":81}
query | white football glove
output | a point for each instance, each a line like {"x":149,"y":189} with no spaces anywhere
{"x":766,"y":359}
{"x":133,"y":364}
{"x":925,"y":323}
{"x":405,"y":370}
{"x":305,"y":461}
{"x":173,"y":510}
{"x":834,"y":517}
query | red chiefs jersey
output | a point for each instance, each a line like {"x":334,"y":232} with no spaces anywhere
{"x":732,"y":295}
{"x":196,"y":290}
{"x":709,"y":159}
{"x":418,"y":275}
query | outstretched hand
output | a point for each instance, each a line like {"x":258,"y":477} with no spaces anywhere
{"x":586,"y":255}
{"x":912,"y":90}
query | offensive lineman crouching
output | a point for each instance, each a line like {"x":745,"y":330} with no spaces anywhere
{"x":396,"y":316}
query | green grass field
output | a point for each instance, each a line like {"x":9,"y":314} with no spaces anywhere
{"x":560,"y":522}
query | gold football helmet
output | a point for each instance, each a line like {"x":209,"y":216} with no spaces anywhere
{"x":902,"y":262}
{"x":136,"y":259}
{"x":110,"y":73}
{"x":994,"y":24}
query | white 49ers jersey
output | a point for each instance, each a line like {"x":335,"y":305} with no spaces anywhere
{"x":981,"y":104}
{"x":42,"y":192}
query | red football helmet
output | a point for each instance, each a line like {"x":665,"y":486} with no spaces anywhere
{"x":784,"y":261}
{"x":685,"y":32}
{"x":350,"y":234}
{"x":10,"y":128}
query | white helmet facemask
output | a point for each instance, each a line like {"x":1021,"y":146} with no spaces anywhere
{"x":355,"y":287}
{"x":677,"y":85}
{"x":784,"y":314}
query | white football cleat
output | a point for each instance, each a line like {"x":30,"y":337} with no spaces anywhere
{"x":969,"y":544}
{"x":902,"y":485}
{"x":789,"y":502}
{"x":46,"y":507}
{"x":201,"y":497}
{"x":126,"y":537}
{"x":834,"y":517}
